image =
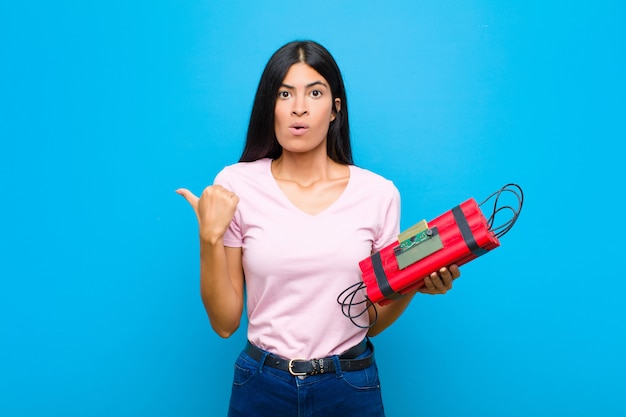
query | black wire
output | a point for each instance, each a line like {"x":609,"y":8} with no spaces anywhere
{"x":503,"y":228}
{"x":347,"y":302}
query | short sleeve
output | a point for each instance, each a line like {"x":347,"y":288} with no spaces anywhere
{"x":233,"y":236}
{"x":390,"y":227}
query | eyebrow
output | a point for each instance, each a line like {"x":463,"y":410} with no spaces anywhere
{"x":314,"y":83}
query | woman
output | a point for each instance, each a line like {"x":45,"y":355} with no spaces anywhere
{"x":294,"y":217}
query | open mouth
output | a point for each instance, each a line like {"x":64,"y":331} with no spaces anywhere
{"x":298,"y":128}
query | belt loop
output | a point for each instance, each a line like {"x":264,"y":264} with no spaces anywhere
{"x":337,"y":364}
{"x":262,"y":361}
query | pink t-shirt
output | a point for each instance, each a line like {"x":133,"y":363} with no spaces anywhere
{"x":297,"y":264}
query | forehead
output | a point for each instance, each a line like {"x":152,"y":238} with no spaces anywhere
{"x":302,"y":74}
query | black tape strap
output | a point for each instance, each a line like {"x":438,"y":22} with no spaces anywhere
{"x":466,"y":232}
{"x":381,"y":278}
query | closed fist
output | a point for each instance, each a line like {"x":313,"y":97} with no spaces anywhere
{"x":214,"y":209}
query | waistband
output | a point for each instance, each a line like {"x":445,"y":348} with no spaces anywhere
{"x":301,"y":367}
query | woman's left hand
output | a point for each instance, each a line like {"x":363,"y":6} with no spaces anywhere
{"x":440,"y":282}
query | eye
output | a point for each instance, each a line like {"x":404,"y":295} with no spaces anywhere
{"x":316,"y":93}
{"x":284,"y":94}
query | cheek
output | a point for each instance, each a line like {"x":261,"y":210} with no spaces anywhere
{"x":279,"y":115}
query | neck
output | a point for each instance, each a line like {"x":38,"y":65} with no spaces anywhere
{"x":305,"y":169}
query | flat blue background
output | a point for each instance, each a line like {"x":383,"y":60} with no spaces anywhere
{"x":108,"y":107}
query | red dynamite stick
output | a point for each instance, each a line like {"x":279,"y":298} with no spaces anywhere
{"x":465,"y":235}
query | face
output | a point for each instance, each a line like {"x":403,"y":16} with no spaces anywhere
{"x":304,"y":110}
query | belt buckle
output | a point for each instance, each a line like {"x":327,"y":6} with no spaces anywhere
{"x":290,"y":367}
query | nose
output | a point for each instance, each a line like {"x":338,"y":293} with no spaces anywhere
{"x":299,"y":106}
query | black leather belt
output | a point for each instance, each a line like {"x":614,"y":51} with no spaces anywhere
{"x":301,"y":367}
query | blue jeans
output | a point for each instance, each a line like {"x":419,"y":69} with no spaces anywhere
{"x":260,"y":391}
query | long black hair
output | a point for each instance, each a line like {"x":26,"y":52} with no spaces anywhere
{"x":261,"y":139}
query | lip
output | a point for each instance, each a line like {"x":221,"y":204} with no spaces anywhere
{"x":298,"y":129}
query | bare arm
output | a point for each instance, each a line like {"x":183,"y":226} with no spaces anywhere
{"x":221,"y":272}
{"x":437,"y":283}
{"x":221,"y":286}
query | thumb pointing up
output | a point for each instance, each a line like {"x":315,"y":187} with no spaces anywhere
{"x":214,"y":209}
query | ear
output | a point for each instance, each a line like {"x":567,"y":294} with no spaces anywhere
{"x":336,"y":108}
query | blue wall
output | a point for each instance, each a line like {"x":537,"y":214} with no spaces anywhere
{"x":107,"y":107}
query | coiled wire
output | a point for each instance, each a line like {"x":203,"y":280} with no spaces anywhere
{"x":509,"y":189}
{"x":347,"y":301}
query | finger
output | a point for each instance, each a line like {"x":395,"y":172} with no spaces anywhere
{"x":428,"y":287}
{"x":189,"y":196}
{"x":454,"y":269}
{"x":437,"y":285}
{"x":438,"y":282}
{"x":217,"y":193}
{"x":446,"y":277}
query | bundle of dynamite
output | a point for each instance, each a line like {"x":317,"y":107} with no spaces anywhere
{"x":455,"y":237}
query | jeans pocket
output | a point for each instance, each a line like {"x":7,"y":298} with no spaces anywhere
{"x":244,"y":371}
{"x":363,"y":380}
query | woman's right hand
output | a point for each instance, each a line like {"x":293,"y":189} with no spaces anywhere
{"x":214,"y":209}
